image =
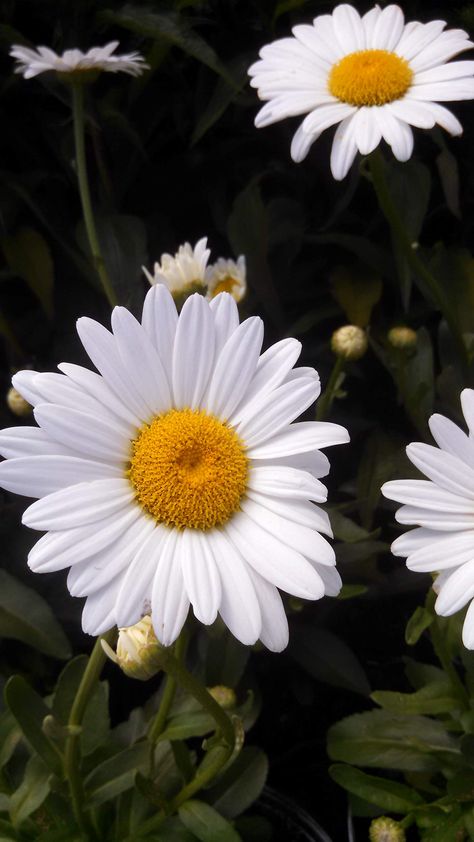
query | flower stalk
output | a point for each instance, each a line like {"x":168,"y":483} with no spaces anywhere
{"x":84,"y":191}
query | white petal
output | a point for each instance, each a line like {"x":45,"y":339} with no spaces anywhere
{"x":274,"y":634}
{"x":451,"y":438}
{"x":387,"y":29}
{"x":316,"y":463}
{"x":137,"y":582}
{"x":102,"y":349}
{"x":456,"y":591}
{"x":271,"y":558}
{"x":467,"y":403}
{"x":299,"y":511}
{"x":344,"y":149}
{"x":468,"y":628}
{"x":226,"y":318}
{"x":417,"y":492}
{"x":58,"y":550}
{"x":366,"y":130}
{"x":324,"y":27}
{"x":200,"y":575}
{"x":348,"y":28}
{"x":443,"y":552}
{"x":332,"y":580}
{"x":281,"y":481}
{"x":234,"y":368}
{"x":445,"y":470}
{"x":457,"y":89}
{"x":95,"y":385}
{"x":414,"y":113}
{"x":301,"y":143}
{"x":445,"y":118}
{"x":444,"y":47}
{"x":23,"y":381}
{"x":35,"y":476}
{"x":326,"y":116}
{"x":308,"y":36}
{"x":262,"y":420}
{"x":300,"y":438}
{"x":369,"y":22}
{"x":444,"y":521}
{"x":86,"y":434}
{"x":414,"y":540}
{"x":193,"y":353}
{"x":397,"y":133}
{"x":141,"y":361}
{"x":169,"y":600}
{"x":77,"y":505}
{"x":17,"y":442}
{"x":445,"y":72}
{"x":272,"y":368}
{"x":56,"y":388}
{"x":416,"y":36}
{"x":98,"y":615}
{"x":159,"y":320}
{"x":305,"y":541}
{"x":239,"y":606}
{"x":290,"y":104}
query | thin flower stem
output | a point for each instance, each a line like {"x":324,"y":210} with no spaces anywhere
{"x":327,"y":397}
{"x":428,"y":281}
{"x":169,"y":691}
{"x":81,"y":164}
{"x":72,"y":750}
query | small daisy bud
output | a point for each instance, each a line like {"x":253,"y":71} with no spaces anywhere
{"x":349,"y":342}
{"x":138,"y":650}
{"x":17,"y":404}
{"x":184,"y":273}
{"x":402,"y":337}
{"x":224,"y":696}
{"x":386,"y":830}
{"x":227,"y":276}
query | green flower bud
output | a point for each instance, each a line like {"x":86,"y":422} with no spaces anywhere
{"x":349,"y":342}
{"x":17,"y":404}
{"x":138,"y":650}
{"x":224,"y":696}
{"x":402,"y":337}
{"x":386,"y":830}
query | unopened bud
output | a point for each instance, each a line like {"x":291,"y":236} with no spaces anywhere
{"x":386,"y":830}
{"x":349,"y":342}
{"x":138,"y":650}
{"x":17,"y":404}
{"x":224,"y":696}
{"x":401,"y":337}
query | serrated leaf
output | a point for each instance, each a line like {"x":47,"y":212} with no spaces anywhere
{"x":241,"y":784}
{"x":380,"y":739}
{"x":27,"y":254}
{"x":206,"y":823}
{"x":390,"y":796}
{"x":328,"y":658}
{"x":29,"y":710}
{"x":32,"y":791}
{"x":435,"y":698}
{"x":25,"y":616}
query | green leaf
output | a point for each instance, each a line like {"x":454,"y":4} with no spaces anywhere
{"x":32,"y":791}
{"x":185,"y":725}
{"x":241,"y":784}
{"x":328,"y":659}
{"x":10,"y":735}
{"x":351,"y":591}
{"x":66,"y":688}
{"x":357,"y":290}
{"x":117,"y":773}
{"x":448,"y":828}
{"x":27,"y":254}
{"x":419,"y":621}
{"x":206,"y":823}
{"x":171,"y":28}
{"x":29,"y":710}
{"x":461,"y":787}
{"x":25,"y":616}
{"x":390,"y":796}
{"x":381,"y":739}
{"x":96,"y":722}
{"x":376,"y":467}
{"x":436,"y":697}
{"x":345,"y":529}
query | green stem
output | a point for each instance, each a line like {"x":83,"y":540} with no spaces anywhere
{"x":428,"y":281}
{"x":72,"y":750}
{"x":81,"y":165}
{"x":327,"y":397}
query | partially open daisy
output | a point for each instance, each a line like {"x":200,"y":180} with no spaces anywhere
{"x":183,"y":273}
{"x":443,"y":509}
{"x":31,"y":63}
{"x":373,"y":75}
{"x":227,"y":276}
{"x":177,"y":475}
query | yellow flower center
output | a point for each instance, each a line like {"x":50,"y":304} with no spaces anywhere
{"x":227,"y":284}
{"x":189,"y":470}
{"x":370,"y":77}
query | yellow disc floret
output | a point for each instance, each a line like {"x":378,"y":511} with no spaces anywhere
{"x":189,"y":470}
{"x":370,"y":77}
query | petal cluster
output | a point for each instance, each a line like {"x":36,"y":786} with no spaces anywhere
{"x":442,"y":507}
{"x":31,"y":63}
{"x":293,"y":76}
{"x":76,"y":463}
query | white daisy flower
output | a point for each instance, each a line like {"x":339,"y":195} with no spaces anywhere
{"x":227,"y":276}
{"x":176,"y":475}
{"x":373,"y":75}
{"x":31,"y":63}
{"x":443,"y":509}
{"x":184,"y":273}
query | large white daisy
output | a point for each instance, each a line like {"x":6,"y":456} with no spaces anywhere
{"x":31,"y":63}
{"x":443,"y":509}
{"x":176,"y":475}
{"x":373,"y":75}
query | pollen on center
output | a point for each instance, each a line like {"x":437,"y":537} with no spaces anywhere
{"x":370,"y":77}
{"x":188,"y":469}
